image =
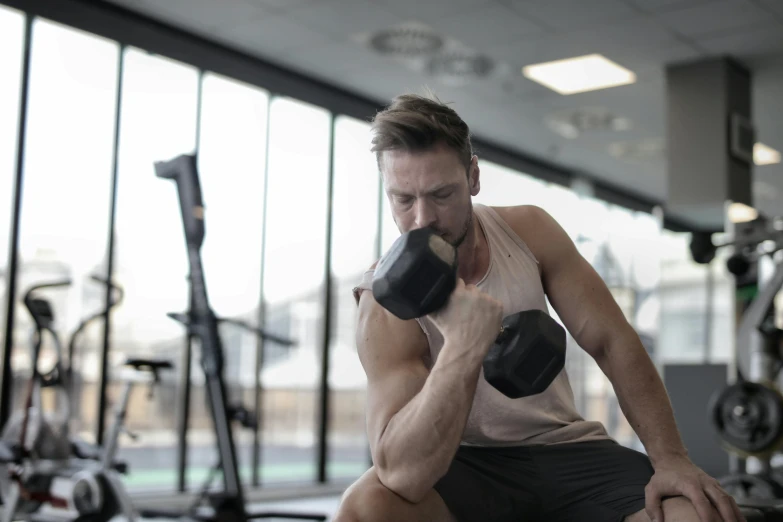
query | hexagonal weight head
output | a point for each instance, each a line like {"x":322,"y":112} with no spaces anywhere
{"x":527,"y":355}
{"x":417,"y":274}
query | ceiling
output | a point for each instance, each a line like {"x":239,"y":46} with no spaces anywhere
{"x":326,"y":39}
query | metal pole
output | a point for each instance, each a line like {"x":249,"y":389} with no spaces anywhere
{"x":323,"y":392}
{"x":257,"y":403}
{"x":110,"y":261}
{"x":6,"y":377}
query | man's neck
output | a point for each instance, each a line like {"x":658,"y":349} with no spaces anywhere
{"x":471,"y":261}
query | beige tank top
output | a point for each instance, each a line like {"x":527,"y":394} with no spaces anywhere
{"x":495,"y":420}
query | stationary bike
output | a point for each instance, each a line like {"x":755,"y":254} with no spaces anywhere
{"x":40,"y":464}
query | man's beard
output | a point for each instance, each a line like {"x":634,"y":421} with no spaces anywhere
{"x":464,"y":232}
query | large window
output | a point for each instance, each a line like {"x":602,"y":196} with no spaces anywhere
{"x":232,"y":163}
{"x":502,"y":186}
{"x":157,"y":122}
{"x":294,"y":258}
{"x":354,"y":238}
{"x":11,"y":44}
{"x":65,"y":204}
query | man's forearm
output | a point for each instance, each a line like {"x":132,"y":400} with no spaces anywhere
{"x":642,"y":396}
{"x":421,"y":440}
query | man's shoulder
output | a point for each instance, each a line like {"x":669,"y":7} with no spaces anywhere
{"x":536,"y":227}
{"x":524,"y":219}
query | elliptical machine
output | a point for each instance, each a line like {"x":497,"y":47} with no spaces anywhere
{"x":40,"y":464}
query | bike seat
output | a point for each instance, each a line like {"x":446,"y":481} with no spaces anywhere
{"x":85,"y":450}
{"x":152,"y":365}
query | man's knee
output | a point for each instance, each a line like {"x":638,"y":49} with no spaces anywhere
{"x":675,"y":509}
{"x":680,"y":509}
{"x":366,"y":500}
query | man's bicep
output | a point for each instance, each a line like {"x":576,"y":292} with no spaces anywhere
{"x":576,"y":291}
{"x":585,"y":305}
{"x":392,"y":354}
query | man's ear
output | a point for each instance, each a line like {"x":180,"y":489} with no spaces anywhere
{"x":474,"y":176}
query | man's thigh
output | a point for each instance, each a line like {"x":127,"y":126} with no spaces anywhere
{"x":491,"y":484}
{"x":599,"y":480}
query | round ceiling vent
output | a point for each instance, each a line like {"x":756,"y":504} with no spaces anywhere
{"x":406,"y":41}
{"x":572,"y":123}
{"x":641,"y":151}
{"x":461,"y":66}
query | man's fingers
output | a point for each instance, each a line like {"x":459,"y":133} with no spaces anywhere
{"x":652,"y":503}
{"x":725,"y":504}
{"x":701,"y":503}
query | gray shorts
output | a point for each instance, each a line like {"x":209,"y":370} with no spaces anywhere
{"x":598,"y":481}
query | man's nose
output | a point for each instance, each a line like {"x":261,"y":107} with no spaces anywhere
{"x":425,"y":214}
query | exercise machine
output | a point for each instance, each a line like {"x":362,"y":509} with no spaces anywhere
{"x":40,"y":464}
{"x":747,"y":414}
{"x":202,"y":324}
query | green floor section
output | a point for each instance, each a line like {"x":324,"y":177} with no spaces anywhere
{"x":145,"y":479}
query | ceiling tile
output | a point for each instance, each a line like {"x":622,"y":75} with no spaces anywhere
{"x":338,"y":57}
{"x":631,"y":36}
{"x":384,"y":83}
{"x":747,"y":45}
{"x":200,"y":15}
{"x":284,"y":5}
{"x":430,"y":11}
{"x":518,"y":88}
{"x":567,"y":14}
{"x":652,"y":6}
{"x":773,"y":6}
{"x":766,"y":95}
{"x":270,"y":35}
{"x":636,"y":33}
{"x":521,"y":53}
{"x":653,"y":58}
{"x":714,"y":17}
{"x":502,"y":25}
{"x":343,"y":18}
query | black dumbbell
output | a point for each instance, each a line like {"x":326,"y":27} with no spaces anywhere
{"x":416,"y":277}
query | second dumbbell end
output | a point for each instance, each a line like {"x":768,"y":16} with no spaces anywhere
{"x":527,"y":356}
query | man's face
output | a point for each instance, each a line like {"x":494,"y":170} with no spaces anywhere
{"x":431,"y":189}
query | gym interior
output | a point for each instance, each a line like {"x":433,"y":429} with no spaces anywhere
{"x":189,"y":197}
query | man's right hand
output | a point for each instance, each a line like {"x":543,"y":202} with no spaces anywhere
{"x":471,"y":319}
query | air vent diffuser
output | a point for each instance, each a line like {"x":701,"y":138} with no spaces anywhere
{"x":460,"y":65}
{"x":406,"y":42}
{"x":573,"y":123}
{"x":641,"y":151}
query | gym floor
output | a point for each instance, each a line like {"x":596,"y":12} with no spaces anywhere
{"x":326,"y":505}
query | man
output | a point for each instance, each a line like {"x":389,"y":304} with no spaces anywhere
{"x":445,"y":444}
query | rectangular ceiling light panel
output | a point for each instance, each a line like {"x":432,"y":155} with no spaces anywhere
{"x":580,"y":74}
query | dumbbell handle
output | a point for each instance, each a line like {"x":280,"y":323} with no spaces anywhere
{"x":503,"y":334}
